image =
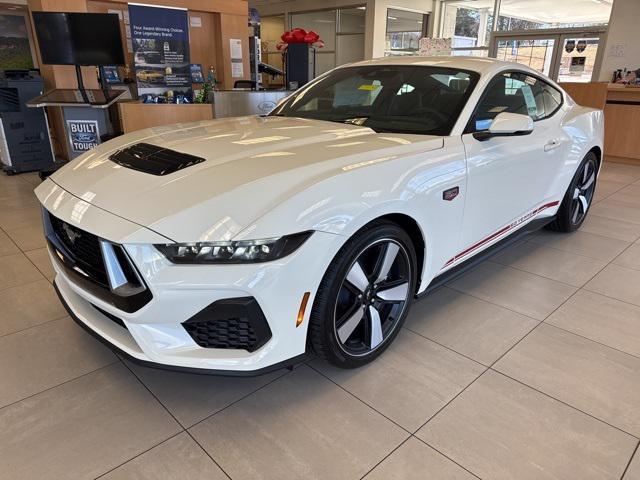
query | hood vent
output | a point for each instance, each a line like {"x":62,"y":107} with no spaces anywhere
{"x":152,"y":159}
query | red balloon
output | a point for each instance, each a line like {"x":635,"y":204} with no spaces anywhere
{"x":311,"y":37}
{"x":300,"y":35}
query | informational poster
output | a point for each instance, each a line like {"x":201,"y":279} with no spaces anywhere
{"x":237,"y":68}
{"x":15,"y":52}
{"x":434,"y":46}
{"x":83,"y":135}
{"x":160,"y":37}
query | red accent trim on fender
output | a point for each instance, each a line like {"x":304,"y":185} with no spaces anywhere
{"x":511,"y":226}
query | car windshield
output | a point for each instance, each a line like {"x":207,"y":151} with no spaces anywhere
{"x":386,"y":98}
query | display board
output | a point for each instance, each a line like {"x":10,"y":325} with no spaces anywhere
{"x":15,"y":51}
{"x":160,"y":37}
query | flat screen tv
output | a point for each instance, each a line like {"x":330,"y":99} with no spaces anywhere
{"x":79,"y":38}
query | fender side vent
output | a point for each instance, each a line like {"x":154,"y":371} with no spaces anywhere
{"x":152,"y":159}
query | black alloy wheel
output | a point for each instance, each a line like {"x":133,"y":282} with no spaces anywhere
{"x":578,"y":197}
{"x":364,"y":296}
{"x":583,"y":191}
{"x":372,"y":297}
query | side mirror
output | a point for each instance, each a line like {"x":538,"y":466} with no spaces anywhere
{"x":507,"y":125}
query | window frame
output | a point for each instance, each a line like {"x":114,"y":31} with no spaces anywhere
{"x":470,"y":128}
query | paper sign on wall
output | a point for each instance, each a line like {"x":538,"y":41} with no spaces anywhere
{"x":195,"y":21}
{"x":236,"y":48}
{"x":617,"y":50}
{"x":237,"y":68}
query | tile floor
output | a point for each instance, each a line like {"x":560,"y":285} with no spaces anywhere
{"x":528,"y":367}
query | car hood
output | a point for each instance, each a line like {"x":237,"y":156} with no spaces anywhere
{"x":251,"y":165}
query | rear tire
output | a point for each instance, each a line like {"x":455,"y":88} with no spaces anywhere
{"x":578,"y":197}
{"x":364,"y":296}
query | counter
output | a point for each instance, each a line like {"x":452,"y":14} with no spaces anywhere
{"x":621,"y":107}
{"x":236,"y":103}
{"x":135,"y":115}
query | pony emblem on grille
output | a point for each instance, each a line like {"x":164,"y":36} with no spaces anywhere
{"x":71,"y":235}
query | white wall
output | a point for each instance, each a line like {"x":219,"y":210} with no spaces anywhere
{"x":623,"y":30}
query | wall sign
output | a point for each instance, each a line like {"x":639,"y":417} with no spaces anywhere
{"x":83,"y":135}
{"x":577,"y":65}
{"x":237,"y":67}
{"x":160,"y":37}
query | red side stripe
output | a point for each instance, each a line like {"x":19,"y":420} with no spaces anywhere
{"x":500,"y":232}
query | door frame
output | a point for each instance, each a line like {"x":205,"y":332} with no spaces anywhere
{"x":559,"y":35}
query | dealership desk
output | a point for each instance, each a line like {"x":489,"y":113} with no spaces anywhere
{"x":621,"y":107}
{"x":236,"y":103}
{"x":135,"y":115}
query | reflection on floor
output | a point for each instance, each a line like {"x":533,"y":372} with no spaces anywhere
{"x":528,"y":367}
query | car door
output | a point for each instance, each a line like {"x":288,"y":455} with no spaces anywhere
{"x":508,"y":177}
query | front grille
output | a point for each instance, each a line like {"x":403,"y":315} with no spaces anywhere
{"x":100,"y":267}
{"x":153,"y":159}
{"x":85,"y":248}
{"x":235,"y":323}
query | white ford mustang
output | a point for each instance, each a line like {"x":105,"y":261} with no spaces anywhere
{"x":238,"y":245}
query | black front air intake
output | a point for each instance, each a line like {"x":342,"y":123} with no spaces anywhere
{"x":153,"y":159}
{"x":234,"y":323}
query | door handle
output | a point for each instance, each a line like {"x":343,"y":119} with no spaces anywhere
{"x":551,"y":144}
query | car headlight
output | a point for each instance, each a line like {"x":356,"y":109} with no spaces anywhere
{"x":242,"y":251}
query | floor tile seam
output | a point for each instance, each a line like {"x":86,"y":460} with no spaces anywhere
{"x":564,"y":402}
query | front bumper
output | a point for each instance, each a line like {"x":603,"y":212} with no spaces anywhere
{"x":146,"y":363}
{"x":154,"y":334}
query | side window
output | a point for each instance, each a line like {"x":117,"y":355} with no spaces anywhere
{"x":552,"y":99}
{"x":510,"y":92}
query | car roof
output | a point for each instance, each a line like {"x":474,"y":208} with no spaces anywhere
{"x":476,"y":64}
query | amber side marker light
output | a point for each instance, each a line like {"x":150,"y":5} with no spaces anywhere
{"x":303,"y":307}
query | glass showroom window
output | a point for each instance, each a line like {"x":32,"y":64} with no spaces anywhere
{"x":404,"y":30}
{"x":324,"y":23}
{"x":468,"y":23}
{"x":350,"y":35}
{"x":342,"y":32}
{"x":538,"y":14}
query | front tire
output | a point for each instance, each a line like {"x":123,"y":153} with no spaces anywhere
{"x":364,"y":296}
{"x":578,"y":198}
